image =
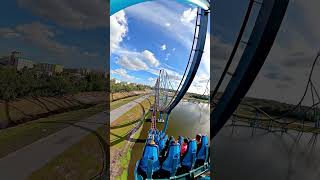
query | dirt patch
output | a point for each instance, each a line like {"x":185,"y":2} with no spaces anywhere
{"x":30,"y":108}
{"x":122,"y":95}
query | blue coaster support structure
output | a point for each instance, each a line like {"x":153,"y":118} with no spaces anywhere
{"x":258,"y":47}
{"x":196,"y":59}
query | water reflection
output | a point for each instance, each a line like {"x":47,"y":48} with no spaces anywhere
{"x":189,"y":119}
{"x":283,"y":156}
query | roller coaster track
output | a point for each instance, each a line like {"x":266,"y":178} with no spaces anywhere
{"x":264,"y":32}
{"x":189,"y":59}
{"x":194,"y":58}
{"x":301,"y":125}
{"x":163,"y":83}
{"x":235,"y":47}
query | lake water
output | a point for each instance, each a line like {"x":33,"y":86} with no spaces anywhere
{"x":265,"y":156}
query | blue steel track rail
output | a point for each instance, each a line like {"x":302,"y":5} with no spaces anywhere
{"x":198,"y":52}
{"x":259,"y":45}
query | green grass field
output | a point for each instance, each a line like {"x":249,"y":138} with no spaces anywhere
{"x":118,"y":135}
{"x":118,"y":103}
{"x":82,"y":161}
{"x":14,"y":138}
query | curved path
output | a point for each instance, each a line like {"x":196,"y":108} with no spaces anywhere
{"x":116,"y":113}
{"x":21,"y":163}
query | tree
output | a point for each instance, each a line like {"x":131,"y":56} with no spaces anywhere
{"x":8,"y":92}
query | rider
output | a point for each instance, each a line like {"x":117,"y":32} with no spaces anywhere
{"x":184,"y":146}
{"x":198,"y":139}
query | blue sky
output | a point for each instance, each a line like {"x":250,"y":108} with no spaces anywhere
{"x":70,"y":33}
{"x":155,"y":35}
{"x":75,"y":33}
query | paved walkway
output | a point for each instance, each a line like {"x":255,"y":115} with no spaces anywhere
{"x":116,"y":113}
{"x":20,"y":164}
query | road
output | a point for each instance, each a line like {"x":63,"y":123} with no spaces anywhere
{"x":21,"y":163}
{"x":116,"y":113}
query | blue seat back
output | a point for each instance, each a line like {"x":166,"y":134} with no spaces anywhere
{"x":150,"y":132}
{"x":157,"y":138}
{"x":204,"y":149}
{"x":180,"y":140}
{"x":172,"y":162}
{"x":171,"y":140}
{"x":150,"y":159}
{"x":162,"y":134}
{"x":162,"y":144}
{"x":165,"y":138}
{"x":190,"y":157}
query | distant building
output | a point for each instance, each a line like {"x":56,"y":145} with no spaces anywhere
{"x":5,"y":60}
{"x":58,"y":68}
{"x":49,"y":68}
{"x":84,"y":71}
{"x":18,"y":62}
{"x":98,"y":72}
{"x":74,"y":73}
{"x":71,"y":71}
{"x":21,"y":63}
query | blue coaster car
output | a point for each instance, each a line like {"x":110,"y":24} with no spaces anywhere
{"x":192,"y":165}
{"x":172,"y":162}
{"x":149,"y":163}
{"x":189,"y":158}
{"x":203,"y":152}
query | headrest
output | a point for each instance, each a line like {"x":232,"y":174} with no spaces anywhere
{"x":204,"y":140}
{"x":151,"y":145}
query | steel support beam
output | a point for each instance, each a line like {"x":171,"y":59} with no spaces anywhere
{"x":260,"y":42}
{"x":194,"y":65}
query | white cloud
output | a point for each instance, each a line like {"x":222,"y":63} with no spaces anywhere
{"x":151,"y":79}
{"x":118,"y":29}
{"x":167,"y":56}
{"x":132,"y":63}
{"x":173,"y":75}
{"x":163,"y":47}
{"x":200,"y":83}
{"x":37,"y":34}
{"x":128,"y":59}
{"x":181,"y":31}
{"x":205,"y":61}
{"x":80,"y":14}
{"x":150,"y":58}
{"x":122,"y":73}
{"x":188,"y":15}
{"x":203,"y":74}
{"x":166,"y":19}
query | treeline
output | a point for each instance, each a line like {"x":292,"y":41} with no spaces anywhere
{"x":125,"y":87}
{"x":303,"y":113}
{"x":198,"y":96}
{"x":28,"y":82}
{"x":275,"y":108}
